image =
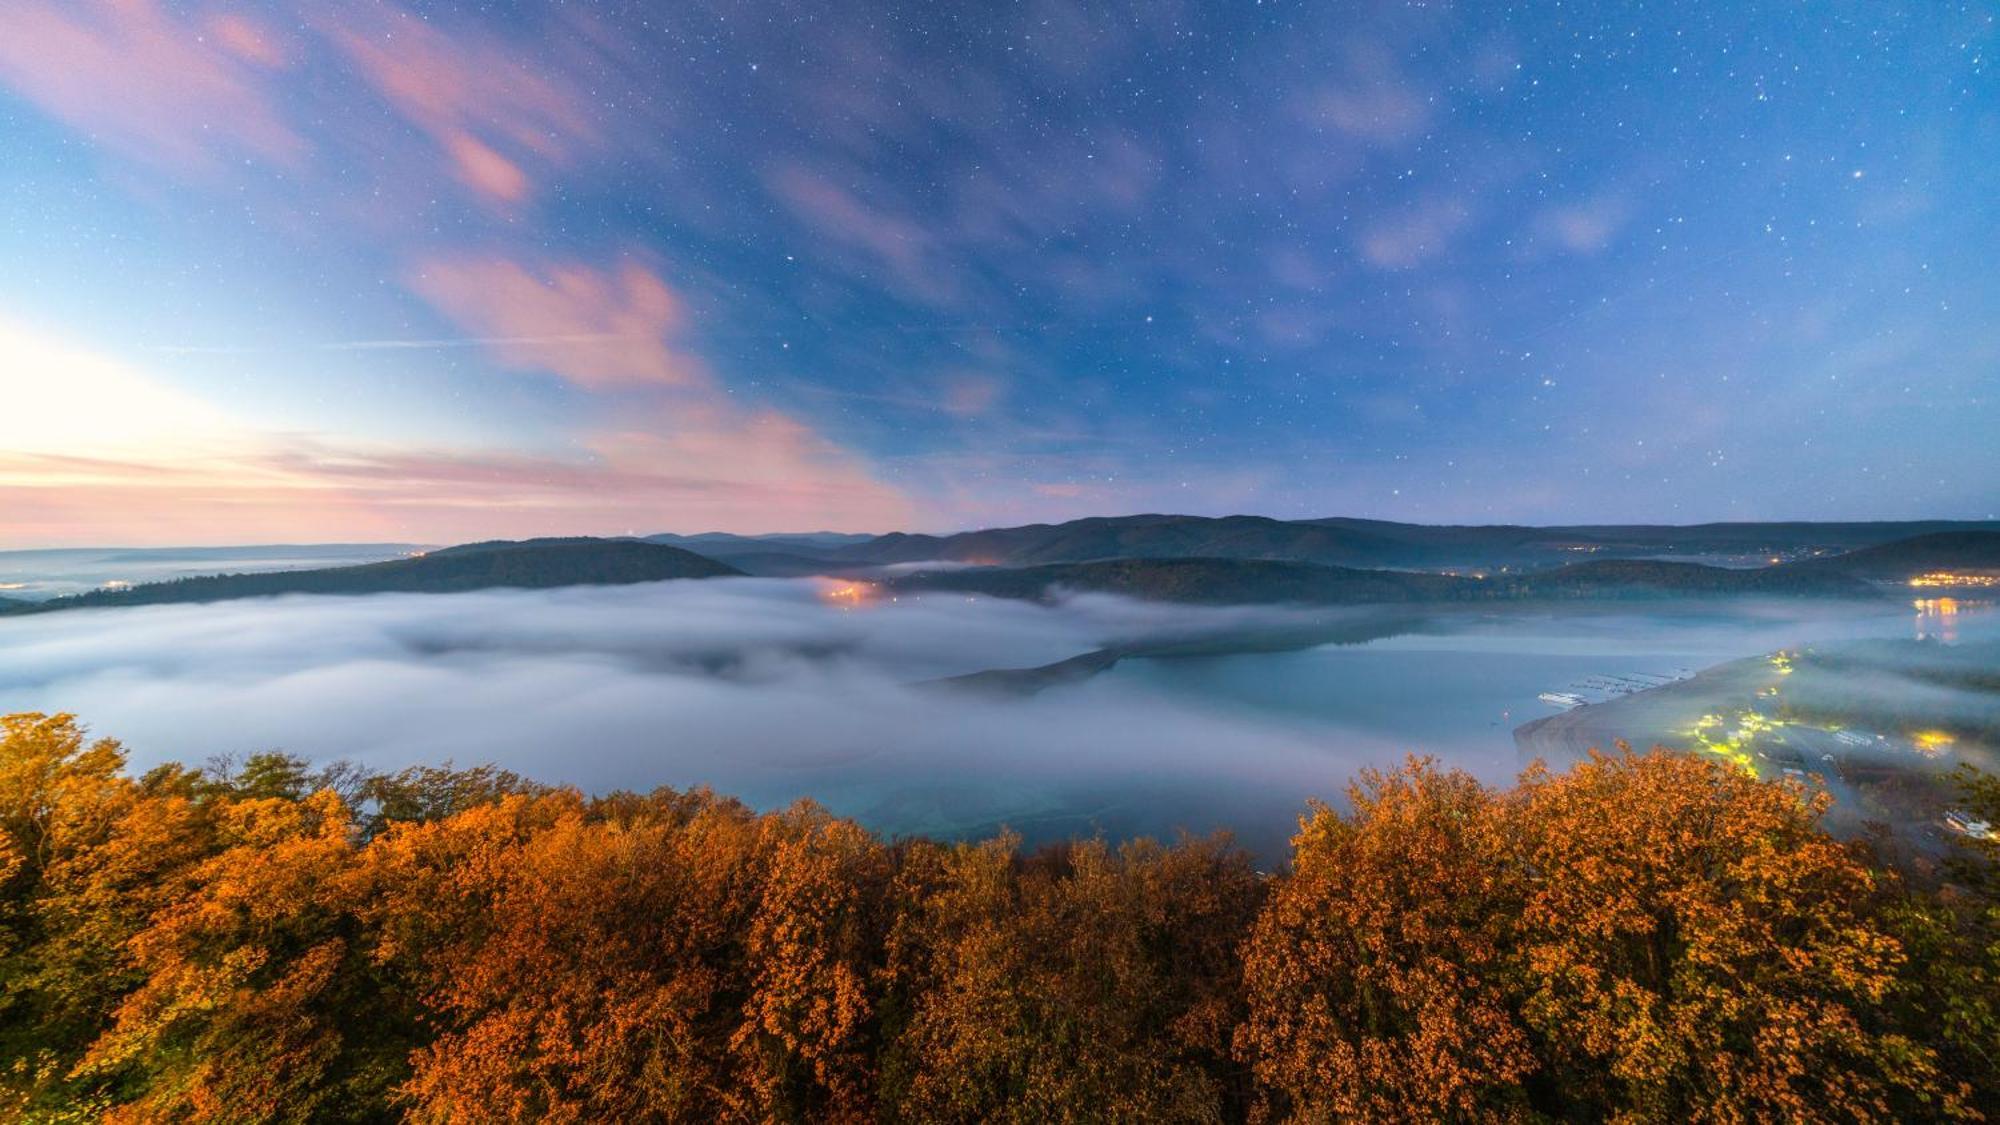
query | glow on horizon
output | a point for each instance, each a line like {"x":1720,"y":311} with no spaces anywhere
{"x":63,"y":400}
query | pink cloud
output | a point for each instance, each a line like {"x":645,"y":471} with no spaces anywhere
{"x":595,"y":328}
{"x":489,"y":108}
{"x":159,"y":87}
{"x":194,"y":89}
{"x":718,"y":467}
{"x":905,"y":250}
{"x":485,"y":170}
{"x":971,"y":396}
{"x":763,"y":473}
{"x":685,"y":449}
{"x":248,"y":40}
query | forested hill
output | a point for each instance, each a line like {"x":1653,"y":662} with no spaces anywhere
{"x":1263,"y":581}
{"x":1645,"y":577}
{"x":1211,"y":581}
{"x":528,"y":564}
{"x":1363,"y":543}
{"x":1907,"y":558}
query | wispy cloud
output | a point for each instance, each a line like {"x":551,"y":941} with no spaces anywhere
{"x":1368,"y":97}
{"x":93,"y":450}
{"x":1585,"y":227}
{"x":903,"y":250}
{"x":478,"y":342}
{"x":151,"y":83}
{"x":716,"y":473}
{"x":1425,"y":231}
{"x":413,"y":344}
{"x":594,"y":327}
{"x":493,"y":111}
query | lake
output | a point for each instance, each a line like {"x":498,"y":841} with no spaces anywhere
{"x":765,"y":689}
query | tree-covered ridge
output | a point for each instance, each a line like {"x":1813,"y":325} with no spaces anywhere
{"x":1205,"y":581}
{"x":1268,"y":581}
{"x":530,"y":564}
{"x":1364,"y":543}
{"x":1645,"y":938}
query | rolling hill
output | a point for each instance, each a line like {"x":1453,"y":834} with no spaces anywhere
{"x":528,"y":564}
{"x":1900,"y":561}
{"x":1362,"y":543}
{"x":1629,"y":578}
{"x":1254,"y":581}
{"x":1339,"y":541}
{"x":1205,"y":581}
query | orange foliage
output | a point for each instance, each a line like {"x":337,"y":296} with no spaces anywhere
{"x":242,"y":1010}
{"x":1697,"y":948}
{"x":1643,"y":938}
{"x":1080,"y":984}
{"x":1375,"y":976}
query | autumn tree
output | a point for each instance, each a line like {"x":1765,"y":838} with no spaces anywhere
{"x":86,"y":856}
{"x":259,"y":1002}
{"x":1643,"y":938}
{"x":604,"y":974}
{"x":806,"y":1045}
{"x":1376,"y":973}
{"x":1078,"y":984}
{"x":1694,"y":947}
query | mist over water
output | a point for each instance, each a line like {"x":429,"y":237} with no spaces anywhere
{"x":764,"y":689}
{"x":35,"y":575}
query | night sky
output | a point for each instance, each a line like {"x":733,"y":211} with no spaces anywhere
{"x":433,"y":272}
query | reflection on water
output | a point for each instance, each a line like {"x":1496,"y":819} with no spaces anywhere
{"x":1938,"y":618}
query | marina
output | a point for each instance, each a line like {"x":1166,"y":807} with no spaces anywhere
{"x":1600,"y":688}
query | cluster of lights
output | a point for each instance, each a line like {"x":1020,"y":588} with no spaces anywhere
{"x":1931,"y":743}
{"x":848,"y":593}
{"x":1949,"y":578}
{"x":1733,"y":744}
{"x":1938,"y":617}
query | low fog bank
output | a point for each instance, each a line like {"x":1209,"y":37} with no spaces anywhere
{"x":774,"y":689}
{"x":757,"y":687}
{"x":40,"y":574}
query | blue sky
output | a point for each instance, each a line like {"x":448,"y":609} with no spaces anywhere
{"x":357,"y":270}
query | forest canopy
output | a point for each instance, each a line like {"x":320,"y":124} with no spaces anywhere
{"x":1645,"y":937}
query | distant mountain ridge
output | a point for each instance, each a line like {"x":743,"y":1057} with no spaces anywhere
{"x":1200,"y":581}
{"x":1260,"y":581}
{"x":1334,"y":541}
{"x":1251,"y":567}
{"x":526,"y":564}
